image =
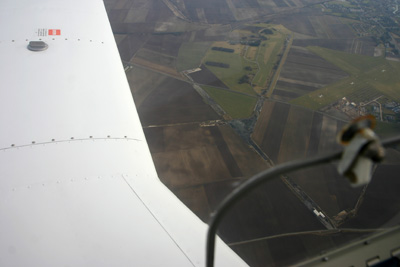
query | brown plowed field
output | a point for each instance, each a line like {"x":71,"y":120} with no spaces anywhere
{"x":205,"y":76}
{"x":296,"y":135}
{"x":291,"y":133}
{"x":315,"y":134}
{"x":130,"y":45}
{"x":262,"y":123}
{"x":272,"y":137}
{"x":382,"y":200}
{"x":168,"y":44}
{"x":188,"y":157}
{"x":299,"y":23}
{"x":215,"y":11}
{"x":165,"y":100}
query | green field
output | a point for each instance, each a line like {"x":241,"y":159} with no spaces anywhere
{"x":190,"y":55}
{"x":350,"y":63}
{"x":234,"y":104}
{"x":268,"y":56}
{"x":230,"y":76}
{"x":259,"y":69}
{"x":369,"y":77}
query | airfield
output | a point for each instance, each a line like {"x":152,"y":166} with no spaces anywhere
{"x":287,"y":53}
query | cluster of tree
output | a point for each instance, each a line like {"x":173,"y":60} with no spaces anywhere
{"x":267,"y":31}
{"x":254,"y":42}
{"x":244,"y":79}
{"x":217,"y":64}
{"x":248,"y":68}
{"x":223,"y":49}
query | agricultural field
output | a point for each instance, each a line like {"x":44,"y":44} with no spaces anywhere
{"x":190,"y":54}
{"x":312,"y":29}
{"x":299,"y":24}
{"x":330,"y":27}
{"x":201,"y":158}
{"x":304,"y":72}
{"x":382,"y":198}
{"x":213,"y":12}
{"x":129,"y":44}
{"x":206,"y":77}
{"x":368,"y":76}
{"x":362,"y":46}
{"x":385,"y":129}
{"x":287,"y":132}
{"x":236,"y":105}
{"x":201,"y":165}
{"x":173,"y":101}
{"x":156,"y":58}
{"x":237,"y":64}
{"x":167,"y":44}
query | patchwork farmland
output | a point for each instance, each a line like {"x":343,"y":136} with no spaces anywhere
{"x":201,"y":158}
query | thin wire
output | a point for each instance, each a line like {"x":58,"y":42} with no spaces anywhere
{"x":260,"y":178}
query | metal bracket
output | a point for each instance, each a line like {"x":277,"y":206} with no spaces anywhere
{"x":362,"y":150}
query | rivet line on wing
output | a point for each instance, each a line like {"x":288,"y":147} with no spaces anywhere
{"x":72,"y":139}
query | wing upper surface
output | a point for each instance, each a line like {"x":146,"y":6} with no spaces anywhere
{"x":77,"y":182}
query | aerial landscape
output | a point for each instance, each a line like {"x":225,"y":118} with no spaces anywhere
{"x":227,"y":88}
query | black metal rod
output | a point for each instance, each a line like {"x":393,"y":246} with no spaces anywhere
{"x":258,"y":179}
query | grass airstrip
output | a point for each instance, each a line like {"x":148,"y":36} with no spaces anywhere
{"x":255,"y":62}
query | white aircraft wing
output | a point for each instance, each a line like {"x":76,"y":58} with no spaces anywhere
{"x":77,"y":183}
